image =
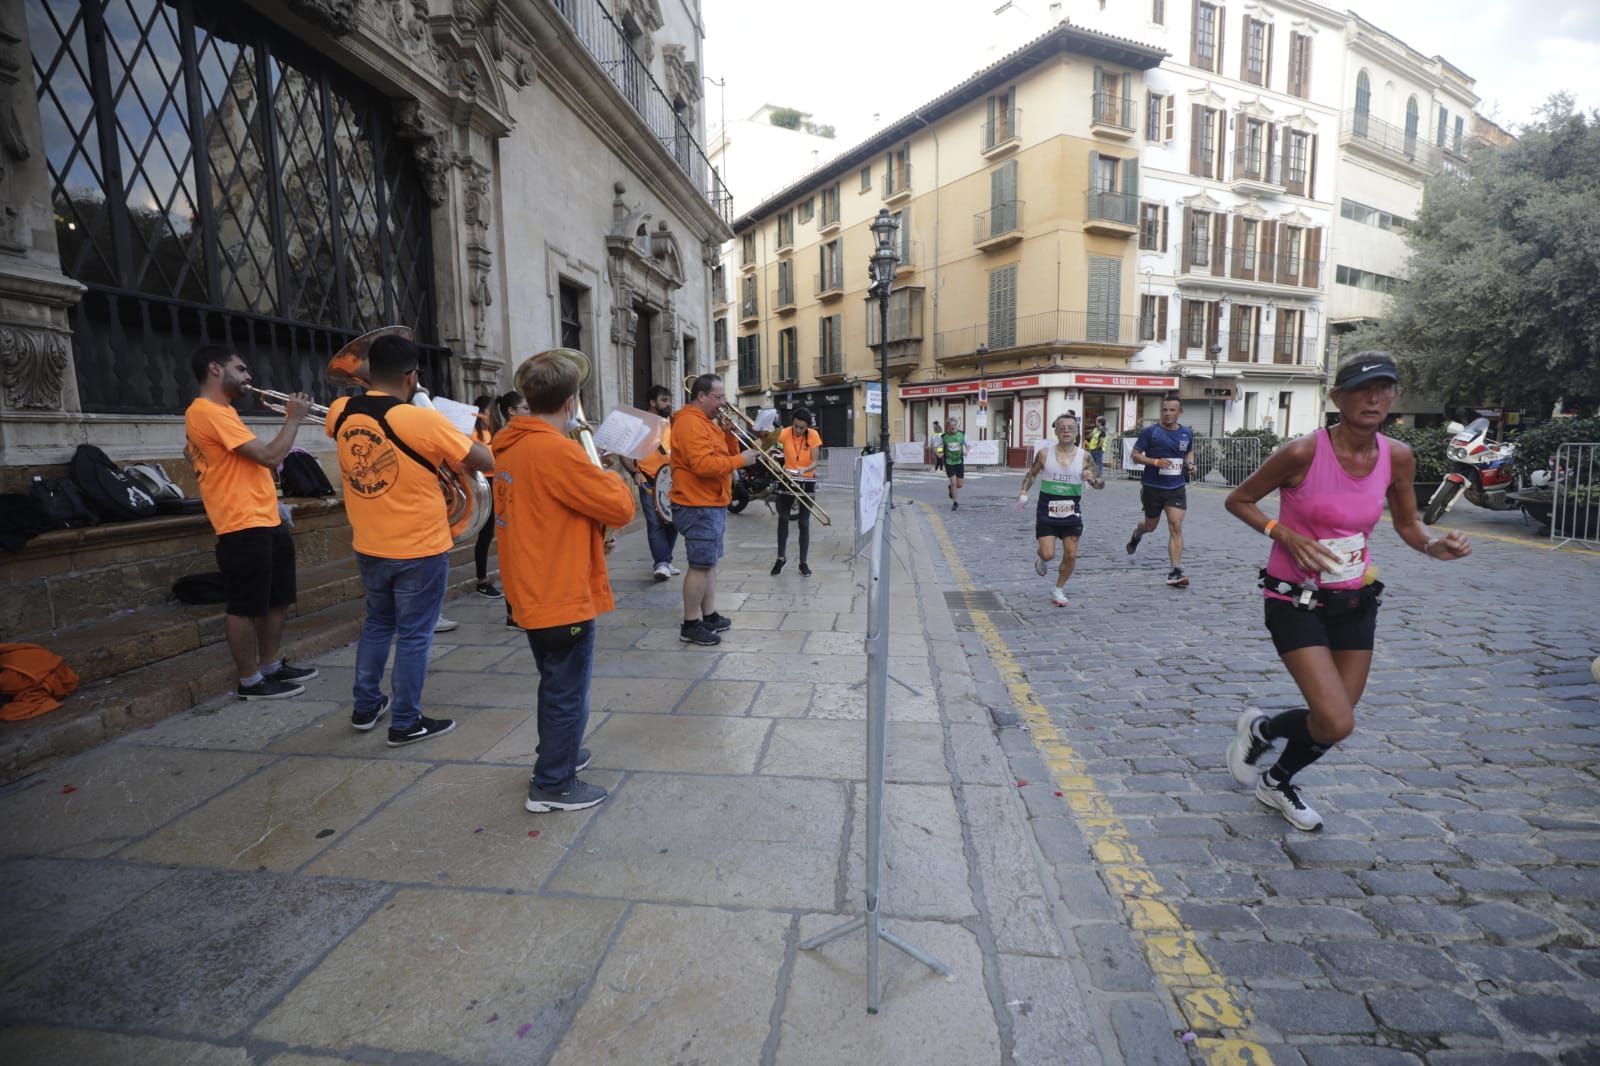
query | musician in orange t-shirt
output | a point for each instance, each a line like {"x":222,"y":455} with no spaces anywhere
{"x":254,"y":551}
{"x":552,"y":505}
{"x":389,"y":452}
{"x":799,"y":443}
{"x":662,"y":534}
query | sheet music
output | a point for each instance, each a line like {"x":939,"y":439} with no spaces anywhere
{"x":463,"y":416}
{"x":629,"y":431}
{"x":766,"y":420}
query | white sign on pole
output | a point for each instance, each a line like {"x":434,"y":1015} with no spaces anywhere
{"x":983,"y":418}
{"x":909,"y":453}
{"x":983,"y":453}
{"x":870,"y":473}
{"x":874,"y":397}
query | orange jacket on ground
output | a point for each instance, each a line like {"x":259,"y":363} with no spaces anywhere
{"x":33,"y":677}
{"x":800,"y":452}
{"x":651,"y":464}
{"x":549,"y":504}
{"x":704,"y":455}
{"x":238,"y":493}
{"x":395,"y":507}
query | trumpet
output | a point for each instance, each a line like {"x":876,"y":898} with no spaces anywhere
{"x":743,"y":428}
{"x":275,"y":401}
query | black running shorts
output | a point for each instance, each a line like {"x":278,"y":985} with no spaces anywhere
{"x":1156,"y":500}
{"x":257,"y":567}
{"x":1293,"y":629}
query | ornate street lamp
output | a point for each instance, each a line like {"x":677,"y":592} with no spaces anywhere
{"x":885,"y":258}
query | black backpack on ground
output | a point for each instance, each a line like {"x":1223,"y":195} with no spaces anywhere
{"x":302,"y":475}
{"x":110,"y":493}
{"x":22,"y":518}
{"x":62,"y":503}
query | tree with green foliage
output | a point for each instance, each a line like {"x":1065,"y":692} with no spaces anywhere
{"x":786,"y":117}
{"x":1502,"y":300}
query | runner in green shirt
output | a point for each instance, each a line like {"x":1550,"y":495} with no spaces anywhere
{"x":955,"y":455}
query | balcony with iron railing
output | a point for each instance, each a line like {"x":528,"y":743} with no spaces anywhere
{"x":719,"y":290}
{"x":1066,"y":331}
{"x":1251,"y":353}
{"x":783,"y":298}
{"x":607,"y":43}
{"x":897,"y":184}
{"x":749,"y":371}
{"x":749,"y":309}
{"x":1111,"y":115}
{"x":1246,"y":268}
{"x":1002,"y":134}
{"x":999,"y":226}
{"x":830,"y":367}
{"x":1289,"y":350}
{"x":1114,"y":214}
{"x":1388,"y":143}
{"x":720,"y":351}
{"x":830,"y":283}
{"x":827,"y":218}
{"x":786,"y":371}
{"x":1256,"y":170}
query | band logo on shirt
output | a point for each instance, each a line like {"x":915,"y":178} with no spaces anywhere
{"x":375,"y":461}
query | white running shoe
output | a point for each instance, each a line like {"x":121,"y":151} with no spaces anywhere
{"x":443,"y":624}
{"x":662,"y":572}
{"x":1245,"y":749}
{"x":1040,"y":567}
{"x":1059,"y":595}
{"x":1285,"y":799}
{"x":673,"y":571}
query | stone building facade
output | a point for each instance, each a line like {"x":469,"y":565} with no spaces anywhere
{"x":282,"y":175}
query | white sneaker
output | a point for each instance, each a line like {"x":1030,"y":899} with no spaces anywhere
{"x":1285,"y":799}
{"x":443,"y":624}
{"x":673,"y":571}
{"x":1245,"y":750}
{"x":661,"y":572}
{"x":1040,"y":567}
{"x":1059,"y":595}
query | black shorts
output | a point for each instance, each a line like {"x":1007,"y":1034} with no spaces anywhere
{"x":955,"y":469}
{"x":1155,"y":500}
{"x":257,"y":569}
{"x":1292,"y":628}
{"x":1045,"y":526}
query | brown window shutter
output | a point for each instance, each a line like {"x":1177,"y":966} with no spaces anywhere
{"x":1305,"y":67}
{"x":1163,"y":227}
{"x":1222,"y":34}
{"x":1244,"y":52}
{"x":1219,"y":244}
{"x":1235,"y":321}
{"x":1161,"y":318}
{"x":1312,"y":267}
{"x":1222,"y":145}
{"x":1288,"y":269}
{"x":1194,"y":35}
{"x":1238,"y":247}
{"x":1239,"y":126}
{"x":1266,"y":60}
{"x":1266,"y":251}
{"x":1213,"y":325}
{"x":1196,"y":139}
{"x":1186,"y":250}
{"x":1283,"y":162}
{"x":1172,"y":107}
{"x":1310,"y":191}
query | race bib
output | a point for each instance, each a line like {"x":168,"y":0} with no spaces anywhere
{"x":1171,"y":467}
{"x":1350,"y":551}
{"x":1062,"y":508}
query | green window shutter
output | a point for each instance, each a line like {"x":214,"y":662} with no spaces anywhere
{"x":1003,"y":307}
{"x":1105,"y":299}
{"x":1130,"y":178}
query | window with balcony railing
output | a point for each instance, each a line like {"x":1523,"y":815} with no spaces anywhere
{"x":749,"y":360}
{"x":1112,"y":100}
{"x":719,"y":285}
{"x":828,"y":210}
{"x":787,"y":367}
{"x":830,"y":260}
{"x":748,"y":306}
{"x":719,"y":339}
{"x":786,"y":230}
{"x":830,"y":342}
{"x":1004,"y":120}
{"x":905,"y":317}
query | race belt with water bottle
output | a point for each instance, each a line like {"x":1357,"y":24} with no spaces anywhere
{"x":1306,"y":596}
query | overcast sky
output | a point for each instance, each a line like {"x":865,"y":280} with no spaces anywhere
{"x":844,"y":60}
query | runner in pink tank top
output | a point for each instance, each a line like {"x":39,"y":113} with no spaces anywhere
{"x":1321,"y":590}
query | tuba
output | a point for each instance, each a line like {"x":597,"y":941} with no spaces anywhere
{"x":467,"y":500}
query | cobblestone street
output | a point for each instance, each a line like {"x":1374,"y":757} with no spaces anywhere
{"x":1448,"y":913}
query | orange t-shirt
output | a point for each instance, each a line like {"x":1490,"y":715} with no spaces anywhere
{"x":481,"y":432}
{"x":800,"y":452}
{"x":703,"y":455}
{"x":238,"y":493}
{"x":550,"y":502}
{"x":651,"y":464}
{"x":395,"y":505}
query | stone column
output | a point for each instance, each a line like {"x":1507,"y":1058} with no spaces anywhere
{"x":38,"y":390}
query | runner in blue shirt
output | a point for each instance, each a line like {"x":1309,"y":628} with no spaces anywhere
{"x":1166,"y":451}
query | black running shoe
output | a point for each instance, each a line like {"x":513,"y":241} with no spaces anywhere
{"x":777,"y":567}
{"x":717,"y":622}
{"x":268,"y":689}
{"x":487,"y":590}
{"x":805,"y":571}
{"x":1133,"y":542}
{"x":292,"y":675}
{"x":695,"y":632}
{"x":1177,"y":578}
{"x":578,"y":796}
{"x":424,"y":729}
{"x":364,"y":721}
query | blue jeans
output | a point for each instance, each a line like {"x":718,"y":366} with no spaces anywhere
{"x":565,"y":658}
{"x":663,"y":537}
{"x":403,"y":601}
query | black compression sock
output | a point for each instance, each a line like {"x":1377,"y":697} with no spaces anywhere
{"x":1301,"y":750}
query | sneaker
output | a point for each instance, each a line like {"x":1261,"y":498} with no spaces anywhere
{"x":805,"y":571}
{"x":1285,"y":799}
{"x":487,"y":590}
{"x":777,"y":567}
{"x":363,"y":721}
{"x":425,"y":729}
{"x":292,"y":674}
{"x":444,"y":625}
{"x":717,"y":622}
{"x":1246,"y":747}
{"x":268,"y":689}
{"x":673,"y":571}
{"x":1133,"y":542}
{"x":695,"y":632}
{"x":1177,"y":579}
{"x":1059,"y":595}
{"x":661,"y":572}
{"x":955,"y":505}
{"x":1040,"y":567}
{"x":575,"y":797}
{"x":583,"y":763}
{"x":511,"y":623}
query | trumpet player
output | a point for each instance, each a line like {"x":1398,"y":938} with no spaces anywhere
{"x":389,"y":450}
{"x":552,"y":505}
{"x":704,"y":457}
{"x":254,"y":551}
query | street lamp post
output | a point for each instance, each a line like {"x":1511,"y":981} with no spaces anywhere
{"x":885,"y":258}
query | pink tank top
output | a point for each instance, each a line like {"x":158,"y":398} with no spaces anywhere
{"x":1335,"y":508}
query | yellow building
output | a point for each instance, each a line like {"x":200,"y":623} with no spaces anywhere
{"x":1018,"y":202}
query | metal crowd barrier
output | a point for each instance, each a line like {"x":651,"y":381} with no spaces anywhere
{"x":1218,"y":460}
{"x":1575,"y":510}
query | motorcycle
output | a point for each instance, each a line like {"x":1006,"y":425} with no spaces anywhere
{"x":1484,"y":469}
{"x":753,"y":483}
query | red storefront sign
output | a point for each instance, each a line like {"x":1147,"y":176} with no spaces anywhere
{"x":960,"y":388}
{"x":1124,"y":381}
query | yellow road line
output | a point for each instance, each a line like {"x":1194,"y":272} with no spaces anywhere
{"x":1207,"y":1003}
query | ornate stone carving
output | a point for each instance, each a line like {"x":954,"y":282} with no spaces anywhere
{"x":404,"y":23}
{"x":33,"y":364}
{"x":430,"y":147}
{"x":682,"y":75}
{"x":338,"y":17}
{"x":480,"y":258}
{"x":624,"y":323}
{"x":640,"y":19}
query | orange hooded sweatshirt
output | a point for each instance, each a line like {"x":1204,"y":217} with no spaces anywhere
{"x":703,"y":455}
{"x":549,"y":505}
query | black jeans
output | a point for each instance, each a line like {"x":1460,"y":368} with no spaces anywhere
{"x":480,"y":550}
{"x":785,"y":503}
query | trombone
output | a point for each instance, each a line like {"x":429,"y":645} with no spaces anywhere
{"x":749,"y":438}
